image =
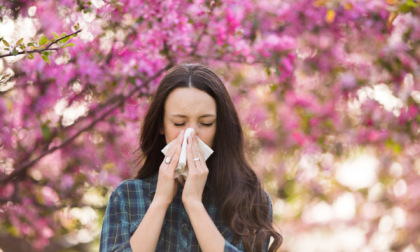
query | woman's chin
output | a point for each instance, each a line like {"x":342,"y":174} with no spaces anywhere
{"x":181,"y":180}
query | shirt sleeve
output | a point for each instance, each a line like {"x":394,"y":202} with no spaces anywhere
{"x":115,"y":235}
{"x":271,"y":217}
{"x":230,"y":248}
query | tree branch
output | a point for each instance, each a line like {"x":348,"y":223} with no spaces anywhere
{"x":22,"y":168}
{"x":47,"y":48}
{"x":200,"y":37}
{"x":220,"y":58}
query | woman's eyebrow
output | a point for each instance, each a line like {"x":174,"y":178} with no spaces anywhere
{"x":184,"y":116}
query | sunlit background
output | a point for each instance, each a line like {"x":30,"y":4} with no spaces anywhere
{"x":331,"y":120}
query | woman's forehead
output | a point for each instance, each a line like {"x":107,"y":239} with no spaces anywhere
{"x":189,"y":102}
{"x":186,"y":116}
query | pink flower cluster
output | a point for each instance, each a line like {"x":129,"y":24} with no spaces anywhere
{"x":301,"y":73}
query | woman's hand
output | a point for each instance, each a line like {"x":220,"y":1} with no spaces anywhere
{"x":208,"y":236}
{"x":167,"y":185}
{"x":197,"y":172}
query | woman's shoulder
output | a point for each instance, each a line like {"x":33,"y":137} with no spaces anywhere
{"x":270,"y":205}
{"x":137,"y":185}
{"x":268,"y":196}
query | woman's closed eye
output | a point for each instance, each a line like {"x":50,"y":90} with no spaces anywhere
{"x":204,"y":124}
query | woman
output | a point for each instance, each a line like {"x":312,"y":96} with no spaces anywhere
{"x":220,"y":206}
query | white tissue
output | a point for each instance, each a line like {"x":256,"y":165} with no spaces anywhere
{"x":182,"y":168}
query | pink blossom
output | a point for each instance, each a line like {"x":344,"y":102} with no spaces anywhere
{"x":67,"y":182}
{"x":7,"y":191}
{"x":49,"y":196}
{"x":295,"y":108}
{"x":299,"y":138}
{"x":348,"y":81}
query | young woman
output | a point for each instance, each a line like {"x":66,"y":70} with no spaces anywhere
{"x":220,"y":206}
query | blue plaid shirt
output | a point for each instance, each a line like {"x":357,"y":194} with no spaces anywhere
{"x":128,"y":205}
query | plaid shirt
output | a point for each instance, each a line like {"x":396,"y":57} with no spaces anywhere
{"x":128,"y":205}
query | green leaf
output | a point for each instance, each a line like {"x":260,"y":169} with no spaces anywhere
{"x":19,"y":42}
{"x":55,"y":35}
{"x":408,"y":6}
{"x":394,"y":146}
{"x":267,"y":70}
{"x":15,"y":52}
{"x":69,"y":44}
{"x":65,"y":39}
{"x":31,"y":44}
{"x":30,"y":56}
{"x":273,"y":87}
{"x":43,"y":40}
{"x":46,"y":132}
{"x":411,"y":3}
{"x":5,"y":43}
{"x":46,"y":59}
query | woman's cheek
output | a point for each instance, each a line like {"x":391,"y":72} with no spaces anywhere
{"x":208,"y":138}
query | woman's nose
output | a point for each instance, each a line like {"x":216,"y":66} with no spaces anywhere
{"x":194,"y":126}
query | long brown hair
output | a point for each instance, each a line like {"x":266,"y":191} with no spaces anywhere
{"x":243,"y":203}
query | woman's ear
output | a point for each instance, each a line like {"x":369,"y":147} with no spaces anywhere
{"x":161,"y":131}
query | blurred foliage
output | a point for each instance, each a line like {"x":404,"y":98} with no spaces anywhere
{"x":328,"y":93}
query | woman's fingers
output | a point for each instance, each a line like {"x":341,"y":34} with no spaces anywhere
{"x":191,"y":166}
{"x":166,"y":185}
{"x":197,"y":152}
{"x":174,"y":152}
{"x":194,"y":153}
{"x":196,"y":156}
{"x":197,"y":173}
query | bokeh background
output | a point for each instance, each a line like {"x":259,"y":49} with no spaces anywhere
{"x":328,"y":92}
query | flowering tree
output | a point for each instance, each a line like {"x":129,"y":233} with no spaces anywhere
{"x":315,"y":83}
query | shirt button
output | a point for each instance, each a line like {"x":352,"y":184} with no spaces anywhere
{"x":185,"y":227}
